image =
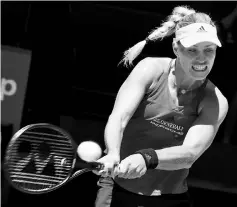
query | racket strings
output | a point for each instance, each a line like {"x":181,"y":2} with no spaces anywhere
{"x":40,"y":159}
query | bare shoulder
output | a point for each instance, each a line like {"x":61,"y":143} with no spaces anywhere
{"x":152,"y":68}
{"x":154,"y":65}
{"x":159,"y":64}
{"x":214,"y":101}
{"x":213,"y":93}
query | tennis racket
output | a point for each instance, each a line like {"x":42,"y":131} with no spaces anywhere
{"x":42,"y":157}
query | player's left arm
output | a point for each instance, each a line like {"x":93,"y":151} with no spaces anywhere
{"x":199,"y":137}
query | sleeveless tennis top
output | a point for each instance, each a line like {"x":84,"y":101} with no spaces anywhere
{"x":160,"y":123}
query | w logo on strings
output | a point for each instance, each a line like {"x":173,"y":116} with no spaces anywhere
{"x":40,"y":160}
{"x":201,"y":29}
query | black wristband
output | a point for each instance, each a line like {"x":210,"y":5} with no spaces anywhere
{"x":150,"y":157}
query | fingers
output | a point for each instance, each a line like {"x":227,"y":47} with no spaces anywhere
{"x":131,"y":174}
{"x":115,"y":172}
{"x":106,"y":171}
{"x":128,"y":168}
{"x":122,"y":170}
{"x":95,"y":172}
{"x":127,"y":171}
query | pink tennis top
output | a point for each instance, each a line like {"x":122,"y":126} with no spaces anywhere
{"x":159,"y":123}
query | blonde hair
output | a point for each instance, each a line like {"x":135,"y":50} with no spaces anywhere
{"x":180,"y":17}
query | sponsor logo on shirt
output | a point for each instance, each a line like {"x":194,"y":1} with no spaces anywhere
{"x":174,"y":128}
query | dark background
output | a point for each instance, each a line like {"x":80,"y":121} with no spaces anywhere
{"x":74,"y":77}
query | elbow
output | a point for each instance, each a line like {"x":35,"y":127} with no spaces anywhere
{"x":193,"y":152}
{"x":190,"y":162}
{"x":192,"y":156}
{"x":197,"y":151}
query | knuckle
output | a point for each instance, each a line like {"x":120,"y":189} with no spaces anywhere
{"x":121,"y":175}
{"x":133,"y":166}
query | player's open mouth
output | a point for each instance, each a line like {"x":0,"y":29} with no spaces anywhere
{"x":199,"y":68}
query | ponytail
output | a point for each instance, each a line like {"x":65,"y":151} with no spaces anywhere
{"x":133,"y":52}
{"x":166,"y":29}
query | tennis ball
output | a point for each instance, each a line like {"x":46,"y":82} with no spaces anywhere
{"x":89,"y":151}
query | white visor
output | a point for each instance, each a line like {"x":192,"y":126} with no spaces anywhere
{"x":196,"y":33}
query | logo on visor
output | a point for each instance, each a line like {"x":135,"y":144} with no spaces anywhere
{"x":201,"y":29}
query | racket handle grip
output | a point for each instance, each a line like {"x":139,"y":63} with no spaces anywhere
{"x":95,"y":165}
{"x":90,"y":165}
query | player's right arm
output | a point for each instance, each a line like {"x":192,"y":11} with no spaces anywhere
{"x":140,"y":80}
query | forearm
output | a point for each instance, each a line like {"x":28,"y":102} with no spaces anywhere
{"x":174,"y":158}
{"x":113,"y":135}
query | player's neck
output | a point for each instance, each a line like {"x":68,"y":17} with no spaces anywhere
{"x":183,"y":81}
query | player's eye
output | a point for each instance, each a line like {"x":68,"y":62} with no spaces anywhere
{"x":209,"y":50}
{"x":192,"y":50}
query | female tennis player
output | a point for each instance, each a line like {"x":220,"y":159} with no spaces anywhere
{"x":166,"y":114}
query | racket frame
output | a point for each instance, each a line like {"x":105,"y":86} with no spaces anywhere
{"x":32,"y":126}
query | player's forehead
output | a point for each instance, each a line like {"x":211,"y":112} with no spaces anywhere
{"x":204,"y":44}
{"x":200,"y":45}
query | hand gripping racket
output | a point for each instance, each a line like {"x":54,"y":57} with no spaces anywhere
{"x":42,"y":157}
